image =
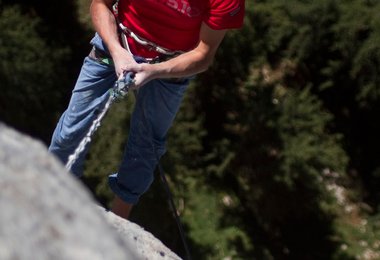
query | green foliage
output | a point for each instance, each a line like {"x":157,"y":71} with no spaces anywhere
{"x":277,"y":170}
{"x":83,"y":7}
{"x":270,"y":140}
{"x":358,"y":37}
{"x":30,"y":72}
{"x":201,"y":207}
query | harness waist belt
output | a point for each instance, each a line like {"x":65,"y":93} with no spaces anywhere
{"x":104,"y":58}
{"x":150,"y":45}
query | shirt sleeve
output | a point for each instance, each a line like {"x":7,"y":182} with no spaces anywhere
{"x":225,"y":14}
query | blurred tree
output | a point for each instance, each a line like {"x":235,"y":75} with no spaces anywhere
{"x":60,"y":26}
{"x":259,"y":154}
{"x":288,"y":47}
{"x":31,"y":74}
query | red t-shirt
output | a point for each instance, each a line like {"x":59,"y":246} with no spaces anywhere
{"x":175,"y":24}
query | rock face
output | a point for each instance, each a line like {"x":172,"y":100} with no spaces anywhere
{"x":46,"y":213}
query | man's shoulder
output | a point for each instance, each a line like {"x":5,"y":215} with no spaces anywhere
{"x":226,"y":14}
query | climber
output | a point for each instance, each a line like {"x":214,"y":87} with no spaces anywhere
{"x":164,"y":43}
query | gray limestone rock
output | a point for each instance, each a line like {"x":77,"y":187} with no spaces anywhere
{"x":46,"y":213}
{"x":145,"y":244}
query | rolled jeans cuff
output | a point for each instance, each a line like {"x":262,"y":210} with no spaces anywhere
{"x":121,"y":191}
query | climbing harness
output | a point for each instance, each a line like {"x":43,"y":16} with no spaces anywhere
{"x":125,"y":31}
{"x":150,"y":45}
{"x":119,"y":90}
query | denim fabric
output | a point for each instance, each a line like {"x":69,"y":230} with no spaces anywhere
{"x":157,"y":103}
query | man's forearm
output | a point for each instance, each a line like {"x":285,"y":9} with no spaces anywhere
{"x":104,"y":23}
{"x":192,"y":62}
{"x":187,"y":64}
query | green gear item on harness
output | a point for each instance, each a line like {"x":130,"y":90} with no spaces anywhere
{"x":100,"y":56}
{"x":107,"y":61}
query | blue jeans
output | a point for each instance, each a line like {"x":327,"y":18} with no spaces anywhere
{"x":157,"y":103}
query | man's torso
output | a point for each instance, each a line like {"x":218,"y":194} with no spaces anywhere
{"x":172,"y":24}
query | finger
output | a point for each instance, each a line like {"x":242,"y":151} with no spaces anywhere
{"x":120,"y":76}
{"x":121,"y":73}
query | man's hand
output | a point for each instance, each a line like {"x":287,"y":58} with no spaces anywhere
{"x":124,"y":61}
{"x":143,"y":76}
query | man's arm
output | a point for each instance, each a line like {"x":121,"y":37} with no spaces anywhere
{"x":187,"y":64}
{"x":104,"y":23}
